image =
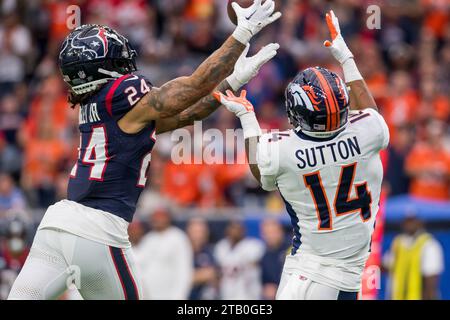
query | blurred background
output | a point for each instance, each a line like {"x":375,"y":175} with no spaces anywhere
{"x":208,"y":231}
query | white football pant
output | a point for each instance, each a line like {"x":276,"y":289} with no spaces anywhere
{"x":294,"y":286}
{"x":58,"y":260}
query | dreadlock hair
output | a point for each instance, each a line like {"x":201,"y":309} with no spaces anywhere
{"x":75,"y":99}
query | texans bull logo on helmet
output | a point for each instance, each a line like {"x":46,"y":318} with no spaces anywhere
{"x":98,"y":40}
{"x":91,"y":55}
{"x":92,"y":44}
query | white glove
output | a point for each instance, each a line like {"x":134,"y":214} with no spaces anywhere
{"x":337,"y":45}
{"x":252,"y":19}
{"x":243,"y":109}
{"x":246,"y":68}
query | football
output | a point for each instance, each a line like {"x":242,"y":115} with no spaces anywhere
{"x":230,"y":10}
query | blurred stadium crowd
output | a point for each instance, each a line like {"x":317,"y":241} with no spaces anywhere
{"x":406,"y":64}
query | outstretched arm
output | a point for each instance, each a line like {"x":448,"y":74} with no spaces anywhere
{"x":179,"y":94}
{"x":176,"y":95}
{"x":244,"y":110}
{"x":199,"y":111}
{"x":245,"y":69}
{"x":360,"y":96}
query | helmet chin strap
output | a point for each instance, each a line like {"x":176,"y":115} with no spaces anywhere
{"x":321,"y":134}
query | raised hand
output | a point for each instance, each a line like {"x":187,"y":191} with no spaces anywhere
{"x":252,"y":19}
{"x":246,"y":68}
{"x":360,"y":96}
{"x":238,"y":105}
{"x":337,"y":45}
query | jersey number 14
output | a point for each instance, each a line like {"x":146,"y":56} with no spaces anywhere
{"x":343,"y":204}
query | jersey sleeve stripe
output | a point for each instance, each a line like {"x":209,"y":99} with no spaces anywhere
{"x":360,"y":117}
{"x":111,"y":91}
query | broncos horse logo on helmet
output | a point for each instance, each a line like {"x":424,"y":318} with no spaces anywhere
{"x":91,"y":55}
{"x":317,"y":102}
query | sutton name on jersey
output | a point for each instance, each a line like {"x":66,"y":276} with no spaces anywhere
{"x":340,"y":150}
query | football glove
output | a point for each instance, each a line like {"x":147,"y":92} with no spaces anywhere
{"x":238,"y":105}
{"x":252,"y":19}
{"x":246,"y":68}
{"x":337,"y":45}
{"x":243,"y":109}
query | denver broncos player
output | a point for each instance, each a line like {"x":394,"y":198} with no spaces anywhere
{"x":327,"y":170}
{"x":84,"y":239}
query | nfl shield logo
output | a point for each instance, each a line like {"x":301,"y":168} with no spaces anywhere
{"x":81,"y":74}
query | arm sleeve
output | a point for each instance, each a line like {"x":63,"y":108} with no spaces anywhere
{"x":267,"y":157}
{"x":124,"y":93}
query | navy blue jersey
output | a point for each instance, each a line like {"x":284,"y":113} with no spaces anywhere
{"x":111,"y":170}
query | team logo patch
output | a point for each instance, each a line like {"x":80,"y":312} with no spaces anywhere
{"x":304,"y":96}
{"x":81,"y":74}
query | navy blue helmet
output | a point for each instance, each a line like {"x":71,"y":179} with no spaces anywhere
{"x":317,"y":102}
{"x":93,"y":54}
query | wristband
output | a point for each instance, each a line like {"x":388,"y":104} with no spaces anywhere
{"x":250,"y":125}
{"x":351,"y":72}
{"x":234,"y":83}
{"x":242,"y":35}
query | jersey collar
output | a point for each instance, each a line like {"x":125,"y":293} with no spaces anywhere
{"x":303,"y":136}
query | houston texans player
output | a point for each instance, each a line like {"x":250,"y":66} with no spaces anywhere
{"x":327,"y":170}
{"x":83,"y":240}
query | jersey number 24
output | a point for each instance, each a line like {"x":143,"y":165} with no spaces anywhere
{"x":343,"y":204}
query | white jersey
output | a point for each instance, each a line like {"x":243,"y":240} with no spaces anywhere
{"x":165,"y":275}
{"x":89,"y":223}
{"x":331,"y":188}
{"x":241,"y":274}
